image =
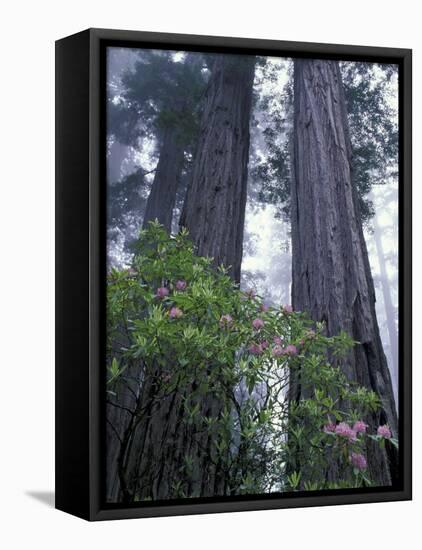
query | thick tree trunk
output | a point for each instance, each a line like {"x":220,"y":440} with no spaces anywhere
{"x":331,"y":275}
{"x":158,"y":442}
{"x":214,"y":209}
{"x":162,"y":197}
{"x":388,"y":306}
{"x":119,"y":415}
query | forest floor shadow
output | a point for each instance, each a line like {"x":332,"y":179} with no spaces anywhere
{"x":45,"y":497}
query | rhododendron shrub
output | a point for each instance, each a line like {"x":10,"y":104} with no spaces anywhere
{"x":200,"y":337}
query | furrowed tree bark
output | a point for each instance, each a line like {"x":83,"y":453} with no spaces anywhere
{"x":120,"y":409}
{"x":162,"y":197}
{"x":153,"y":457}
{"x":331,"y":275}
{"x":214,"y":209}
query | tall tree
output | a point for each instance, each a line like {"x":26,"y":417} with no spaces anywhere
{"x":158,"y":98}
{"x":373,"y":128}
{"x":162,"y":197}
{"x":214,"y":209}
{"x":331,"y":275}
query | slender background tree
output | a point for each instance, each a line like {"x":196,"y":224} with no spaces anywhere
{"x":156,"y":103}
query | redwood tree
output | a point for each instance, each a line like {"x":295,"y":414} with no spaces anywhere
{"x":158,"y":99}
{"x":331,"y":277}
{"x":214,"y":209}
{"x":162,"y":197}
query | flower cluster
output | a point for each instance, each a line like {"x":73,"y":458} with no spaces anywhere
{"x":384,"y":431}
{"x":358,"y":461}
{"x":290,"y":350}
{"x":226,"y":321}
{"x":360,"y":427}
{"x":344,"y":430}
{"x":256,"y":349}
{"x":181,"y":285}
{"x":277,"y":350}
{"x":162,"y":292}
{"x":258,"y":324}
{"x":175,"y":313}
{"x":329,"y":428}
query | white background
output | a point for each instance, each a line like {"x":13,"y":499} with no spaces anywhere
{"x":27,"y":273}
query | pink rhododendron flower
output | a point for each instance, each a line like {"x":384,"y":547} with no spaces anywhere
{"x":287,"y":309}
{"x":162,"y":292}
{"x":263,"y":308}
{"x":258,"y":324}
{"x":264,"y":344}
{"x":255,"y":349}
{"x":329,"y":428}
{"x":175,"y":313}
{"x":344,"y":430}
{"x":181,"y":285}
{"x":277,"y":350}
{"x":384,"y":431}
{"x":278,"y":340}
{"x":290,"y":350}
{"x":358,"y":461}
{"x":226,"y":321}
{"x":359,"y":427}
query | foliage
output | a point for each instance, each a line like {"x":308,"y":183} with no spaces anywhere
{"x":373,"y":124}
{"x":198,"y":335}
{"x":127,"y":191}
{"x":274,"y":108}
{"x":159,"y":92}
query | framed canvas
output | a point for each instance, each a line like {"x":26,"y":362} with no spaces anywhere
{"x":233,"y":274}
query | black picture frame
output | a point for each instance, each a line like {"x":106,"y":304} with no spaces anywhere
{"x":80,"y":271}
